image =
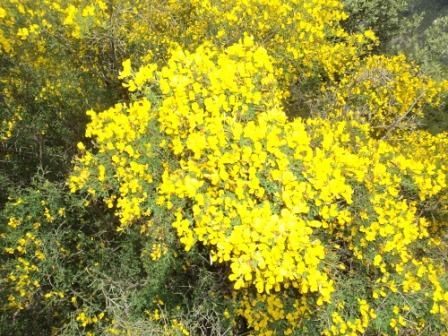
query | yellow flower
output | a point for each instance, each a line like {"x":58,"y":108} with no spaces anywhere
{"x":127,"y":69}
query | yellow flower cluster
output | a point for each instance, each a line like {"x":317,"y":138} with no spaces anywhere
{"x":25,"y":251}
{"x":177,"y":328}
{"x":117,"y":133}
{"x":22,"y":279}
{"x":388,"y":92}
{"x":300,"y":37}
{"x":158,"y":250}
{"x":7,"y":127}
{"x":54,"y":294}
{"x":264,"y":311}
{"x":432,"y":151}
{"x":353,"y":327}
{"x":85,"y":319}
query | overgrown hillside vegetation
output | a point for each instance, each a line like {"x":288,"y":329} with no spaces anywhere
{"x":223,"y":167}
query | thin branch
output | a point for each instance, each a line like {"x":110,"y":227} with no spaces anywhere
{"x":399,"y":120}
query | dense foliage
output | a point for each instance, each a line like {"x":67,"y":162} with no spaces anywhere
{"x":243,"y":167}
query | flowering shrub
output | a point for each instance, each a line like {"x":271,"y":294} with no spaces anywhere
{"x":195,"y":205}
{"x":57,"y":273}
{"x":387,"y":92}
{"x":59,"y":43}
{"x":291,"y":207}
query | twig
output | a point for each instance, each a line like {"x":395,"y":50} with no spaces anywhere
{"x":399,"y":120}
